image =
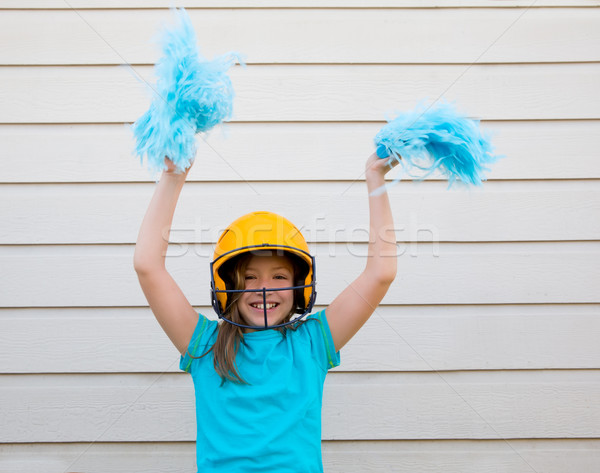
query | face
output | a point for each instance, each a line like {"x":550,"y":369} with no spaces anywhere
{"x":270,"y":272}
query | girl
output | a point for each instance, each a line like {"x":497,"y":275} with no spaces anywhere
{"x":258,"y":374}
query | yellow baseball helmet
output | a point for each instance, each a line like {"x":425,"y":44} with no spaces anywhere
{"x":259,"y":231}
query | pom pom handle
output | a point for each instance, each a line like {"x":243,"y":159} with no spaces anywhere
{"x":382,"y":151}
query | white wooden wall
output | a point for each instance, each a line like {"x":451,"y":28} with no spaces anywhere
{"x":484,"y":356}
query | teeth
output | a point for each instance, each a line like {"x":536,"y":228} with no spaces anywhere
{"x":261,"y":306}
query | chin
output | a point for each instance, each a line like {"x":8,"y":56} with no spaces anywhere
{"x":261,"y":323}
{"x":258,"y":321}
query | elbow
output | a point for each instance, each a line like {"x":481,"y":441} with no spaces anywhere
{"x":386,"y":277}
{"x":139,"y":269}
{"x":142,"y":265}
{"x":146,"y":272}
{"x":387,"y":272}
{"x":382,"y":270}
{"x":138,"y":263}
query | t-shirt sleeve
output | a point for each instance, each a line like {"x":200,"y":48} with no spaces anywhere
{"x":323,"y":346}
{"x":197,"y":343}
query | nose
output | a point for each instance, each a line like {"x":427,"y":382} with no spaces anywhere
{"x":263,"y":283}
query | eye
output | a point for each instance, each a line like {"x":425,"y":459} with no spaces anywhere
{"x":281,"y":276}
{"x":249,"y":276}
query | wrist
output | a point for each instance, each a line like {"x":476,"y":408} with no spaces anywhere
{"x":173,"y":175}
{"x":374,"y":180}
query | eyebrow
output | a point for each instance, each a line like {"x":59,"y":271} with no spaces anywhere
{"x":276,"y":268}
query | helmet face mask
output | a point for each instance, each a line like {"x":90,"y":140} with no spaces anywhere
{"x":256,"y":234}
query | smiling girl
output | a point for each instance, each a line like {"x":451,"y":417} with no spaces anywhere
{"x":258,"y":373}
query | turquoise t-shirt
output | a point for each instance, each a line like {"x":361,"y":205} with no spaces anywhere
{"x":272,"y":424}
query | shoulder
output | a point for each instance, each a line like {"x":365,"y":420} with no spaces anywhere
{"x":316,"y":327}
{"x":202,"y":339}
{"x":316,"y":324}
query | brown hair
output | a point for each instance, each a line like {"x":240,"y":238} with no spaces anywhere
{"x":230,"y":336}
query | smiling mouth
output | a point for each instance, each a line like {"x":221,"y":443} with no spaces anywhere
{"x":262,"y":306}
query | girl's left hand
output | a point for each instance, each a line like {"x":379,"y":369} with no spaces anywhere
{"x":377,"y":168}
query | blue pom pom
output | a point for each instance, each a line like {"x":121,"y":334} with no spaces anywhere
{"x":437,"y":138}
{"x":192,"y":95}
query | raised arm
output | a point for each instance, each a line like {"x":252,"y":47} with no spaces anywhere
{"x":172,"y":310}
{"x":353,"y":307}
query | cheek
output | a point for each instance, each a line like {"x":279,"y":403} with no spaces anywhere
{"x":289,"y":298}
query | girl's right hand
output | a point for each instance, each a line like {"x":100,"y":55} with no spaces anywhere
{"x":172,"y":169}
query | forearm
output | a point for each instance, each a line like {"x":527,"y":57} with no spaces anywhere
{"x":353,"y":307}
{"x":381,"y":261}
{"x":153,"y":237}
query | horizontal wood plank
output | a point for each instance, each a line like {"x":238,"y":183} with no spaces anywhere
{"x":415,"y":456}
{"x":404,"y":36}
{"x":390,"y":406}
{"x":331,"y":211}
{"x":483,"y":456}
{"x":113,"y":94}
{"x":448,"y":273}
{"x":282,"y":152}
{"x":396,"y":338}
